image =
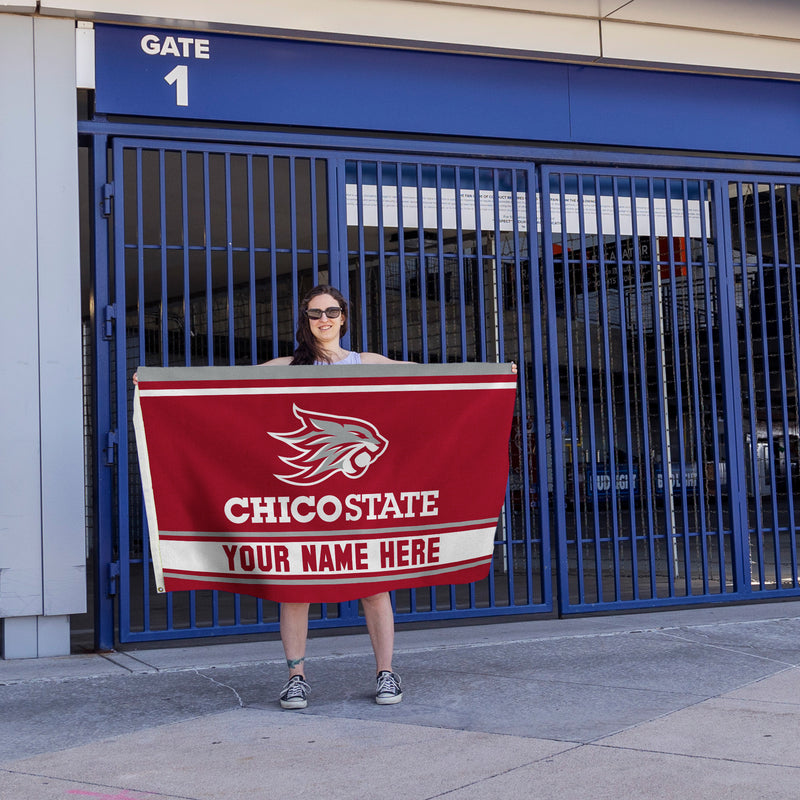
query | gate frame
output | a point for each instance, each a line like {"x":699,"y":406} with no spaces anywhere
{"x":730,"y":376}
{"x":114,"y":447}
{"x":100,"y":133}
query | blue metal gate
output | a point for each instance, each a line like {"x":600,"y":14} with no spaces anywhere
{"x":212,"y":247}
{"x":765,"y":241}
{"x":674,"y":328}
{"x":653,"y":316}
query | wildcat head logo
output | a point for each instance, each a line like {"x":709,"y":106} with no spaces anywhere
{"x":328,"y":445}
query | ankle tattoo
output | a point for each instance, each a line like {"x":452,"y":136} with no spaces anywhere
{"x":294,"y":662}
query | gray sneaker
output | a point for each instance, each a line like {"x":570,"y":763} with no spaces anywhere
{"x":295,"y":693}
{"x":389,"y":689}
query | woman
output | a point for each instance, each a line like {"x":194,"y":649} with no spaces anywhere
{"x":321,"y":323}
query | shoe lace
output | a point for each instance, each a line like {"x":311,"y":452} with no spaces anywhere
{"x":296,"y":687}
{"x":388,"y":683}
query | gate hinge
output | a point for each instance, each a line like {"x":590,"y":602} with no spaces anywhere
{"x":113,"y":574}
{"x":112,"y":439}
{"x":109,"y":315}
{"x":108,"y":193}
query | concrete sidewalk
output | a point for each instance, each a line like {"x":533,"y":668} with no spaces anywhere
{"x":701,"y":703}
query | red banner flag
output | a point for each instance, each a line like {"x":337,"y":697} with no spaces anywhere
{"x":315,"y":484}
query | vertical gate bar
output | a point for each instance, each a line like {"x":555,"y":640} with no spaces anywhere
{"x":139,"y":257}
{"x":208,"y":245}
{"x":251,"y":248}
{"x":647,"y":482}
{"x":505,"y":520}
{"x":696,"y":392}
{"x":574,"y":429}
{"x":273,"y":258}
{"x":503,"y":529}
{"x":782,"y":373}
{"x":441,"y":287}
{"x":753,"y":455}
{"x":538,"y":375}
{"x":251,"y":263}
{"x":658,"y":316}
{"x":554,"y":384}
{"x":187,"y":311}
{"x":498,"y":262}
{"x":677,"y":377}
{"x":102,"y":379}
{"x":314,"y":233}
{"x":162,"y":246}
{"x":481,"y":355}
{"x":209,"y":293}
{"x":516,"y":218}
{"x":361,"y":258}
{"x":733,"y":417}
{"x":229,"y":259}
{"x":121,"y":387}
{"x":187,"y":307}
{"x":623,"y":324}
{"x":339,"y":254}
{"x":462,"y":326}
{"x":231,"y":308}
{"x":791,"y":265}
{"x":384,"y":343}
{"x":441,"y":266}
{"x":765,"y":356}
{"x":336,"y":179}
{"x":480,"y":257}
{"x":165,"y":354}
{"x":123,"y":391}
{"x":401,"y":261}
{"x":604,"y":322}
{"x":587,"y":339}
{"x":460,"y":266}
{"x":423,"y":267}
{"x":499,"y":305}
{"x":766,"y":376}
{"x":293,"y":238}
{"x":711,"y":300}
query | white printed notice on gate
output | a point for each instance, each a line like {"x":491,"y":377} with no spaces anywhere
{"x":508,"y":211}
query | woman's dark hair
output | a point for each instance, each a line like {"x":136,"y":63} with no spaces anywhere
{"x":308,"y":349}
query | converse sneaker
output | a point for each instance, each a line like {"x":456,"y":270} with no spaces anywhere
{"x":294,"y":694}
{"x":389,"y":689}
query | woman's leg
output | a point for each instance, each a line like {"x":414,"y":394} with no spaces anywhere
{"x":379,"y":616}
{"x":294,"y":633}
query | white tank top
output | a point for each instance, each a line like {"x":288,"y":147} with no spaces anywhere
{"x":351,"y":358}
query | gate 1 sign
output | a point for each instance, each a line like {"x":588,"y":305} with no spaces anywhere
{"x":309,"y":484}
{"x":198,"y":75}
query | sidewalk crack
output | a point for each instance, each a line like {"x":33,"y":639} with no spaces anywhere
{"x":219,"y":683}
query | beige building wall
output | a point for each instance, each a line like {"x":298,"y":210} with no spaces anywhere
{"x":722,"y":36}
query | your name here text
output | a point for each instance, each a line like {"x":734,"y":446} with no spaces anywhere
{"x":335,"y":556}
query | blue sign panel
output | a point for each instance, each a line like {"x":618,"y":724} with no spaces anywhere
{"x":229,"y":78}
{"x":222,"y":77}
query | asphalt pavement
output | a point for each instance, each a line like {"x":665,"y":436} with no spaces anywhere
{"x":694,"y":703}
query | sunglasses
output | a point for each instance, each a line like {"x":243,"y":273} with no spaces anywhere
{"x":330,"y":313}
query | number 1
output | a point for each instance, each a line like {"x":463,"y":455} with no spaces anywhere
{"x":180,"y":76}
